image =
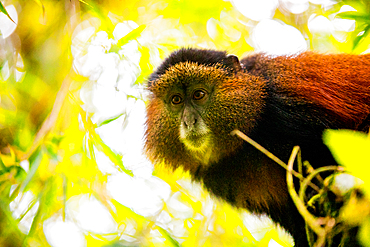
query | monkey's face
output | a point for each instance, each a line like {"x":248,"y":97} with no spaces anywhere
{"x":194,"y":132}
{"x":189,"y":104}
{"x":191,"y":112}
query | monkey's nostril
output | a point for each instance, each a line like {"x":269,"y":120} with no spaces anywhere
{"x":189,"y":123}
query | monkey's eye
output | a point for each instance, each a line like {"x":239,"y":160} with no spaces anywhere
{"x":176,"y":99}
{"x":199,"y":94}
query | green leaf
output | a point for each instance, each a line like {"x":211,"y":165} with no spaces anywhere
{"x":111,"y":119}
{"x":145,"y":66}
{"x":131,"y":35}
{"x":106,"y":23}
{"x":34,"y":166}
{"x":358,"y":38}
{"x":358,"y":5}
{"x":115,"y":158}
{"x":354,"y":15}
{"x":169,"y":240}
{"x":128,"y":37}
{"x":82,"y":1}
{"x":96,"y":141}
{"x":3,"y":10}
{"x":125,"y":213}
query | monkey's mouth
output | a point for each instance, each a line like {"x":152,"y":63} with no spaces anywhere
{"x":196,"y":141}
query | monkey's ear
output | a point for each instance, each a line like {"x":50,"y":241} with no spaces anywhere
{"x":232,"y":61}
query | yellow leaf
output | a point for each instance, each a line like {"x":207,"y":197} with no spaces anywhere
{"x":355,"y":211}
{"x":7,"y":160}
{"x":352,"y":150}
{"x":364,"y":234}
{"x":94,"y":242}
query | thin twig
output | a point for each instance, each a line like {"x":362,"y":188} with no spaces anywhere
{"x":264,"y":150}
{"x":270,"y":155}
{"x":308,"y":217}
{"x":307,"y":180}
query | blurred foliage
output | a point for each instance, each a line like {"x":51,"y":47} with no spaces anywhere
{"x":55,"y":59}
{"x":362,"y":17}
{"x":3,"y":10}
{"x":351,"y":149}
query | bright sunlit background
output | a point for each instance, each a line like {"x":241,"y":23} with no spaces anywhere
{"x":72,"y":114}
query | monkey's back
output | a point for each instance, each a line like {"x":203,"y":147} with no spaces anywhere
{"x":338,"y":83}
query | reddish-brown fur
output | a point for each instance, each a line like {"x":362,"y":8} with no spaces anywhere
{"x":339,"y":83}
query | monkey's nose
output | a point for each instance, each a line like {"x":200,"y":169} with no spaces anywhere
{"x":190,"y":122}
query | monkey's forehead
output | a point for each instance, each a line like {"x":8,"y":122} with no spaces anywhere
{"x":200,"y":56}
{"x":186,"y":74}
